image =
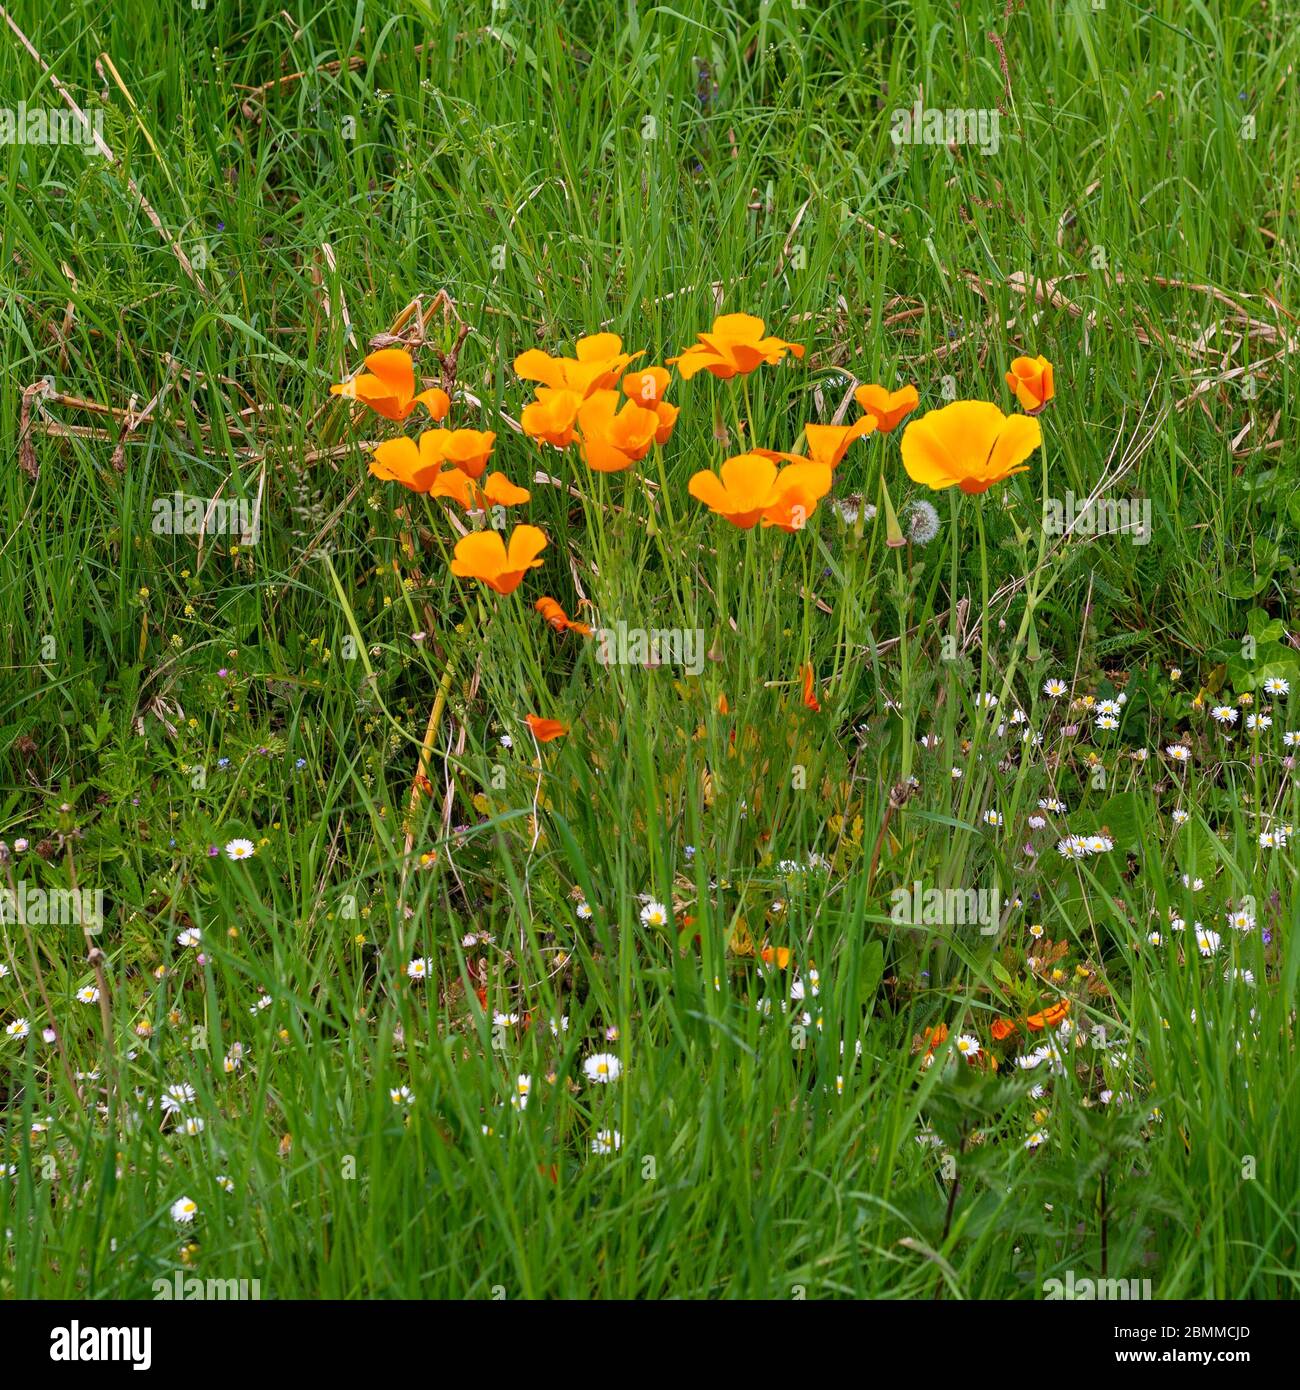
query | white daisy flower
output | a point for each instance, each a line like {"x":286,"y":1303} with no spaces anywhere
{"x":401,"y":1095}
{"x":1224,"y":714}
{"x":968,"y":1046}
{"x":1275,"y":685}
{"x":191,"y":936}
{"x":179,"y":1094}
{"x":240,"y":849}
{"x":418,"y":969}
{"x":1179,"y":752}
{"x":654,"y":914}
{"x":602,"y":1067}
{"x":88,"y":994}
{"x":184,"y":1210}
{"x":19,"y":1028}
{"x":1054,"y":688}
{"x":606,"y":1141}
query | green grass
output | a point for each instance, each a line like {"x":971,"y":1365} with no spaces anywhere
{"x":559,"y":169}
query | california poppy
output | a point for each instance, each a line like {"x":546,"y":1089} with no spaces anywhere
{"x":749,"y":487}
{"x":388,"y":387}
{"x":810,"y":689}
{"x":1002,"y":1028}
{"x":734,"y":346}
{"x":888,"y":407}
{"x":795,"y":495}
{"x":935,"y":1037}
{"x":829,"y":443}
{"x":1051,"y":1017}
{"x":401,"y":460}
{"x":597,"y":365}
{"x":826,"y":443}
{"x":612,"y":439}
{"x":485,"y":556}
{"x":552,"y":416}
{"x":475,"y":495}
{"x":544,"y":730}
{"x":646,"y":387}
{"x":776,"y":955}
{"x":468,"y":450}
{"x":558,"y":618}
{"x":969,"y":443}
{"x":1031,"y":379}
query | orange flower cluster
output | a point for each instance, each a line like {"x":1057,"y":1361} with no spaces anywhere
{"x":579,"y":399}
{"x":616,"y":414}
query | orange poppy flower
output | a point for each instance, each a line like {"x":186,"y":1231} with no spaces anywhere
{"x":552,"y":416}
{"x":388,"y":387}
{"x":613,"y":439}
{"x":497,"y":491}
{"x":775,"y":955}
{"x":485,"y":556}
{"x":829,"y":443}
{"x":969,"y":443}
{"x":734,"y":346}
{"x":749,"y":487}
{"x":402,"y":461}
{"x":723,"y":707}
{"x":795,"y":494}
{"x":599,"y":363}
{"x":647,"y":388}
{"x":1002,"y":1028}
{"x":1051,"y":1017}
{"x":887,"y":406}
{"x":468,"y":450}
{"x":558,"y":618}
{"x":810,"y":689}
{"x":935,"y":1037}
{"x":1032,"y":380}
{"x":544,"y":730}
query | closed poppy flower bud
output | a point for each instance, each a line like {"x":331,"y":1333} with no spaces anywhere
{"x":1031,"y":379}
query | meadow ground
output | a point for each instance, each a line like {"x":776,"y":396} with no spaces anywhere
{"x":903,"y":902}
